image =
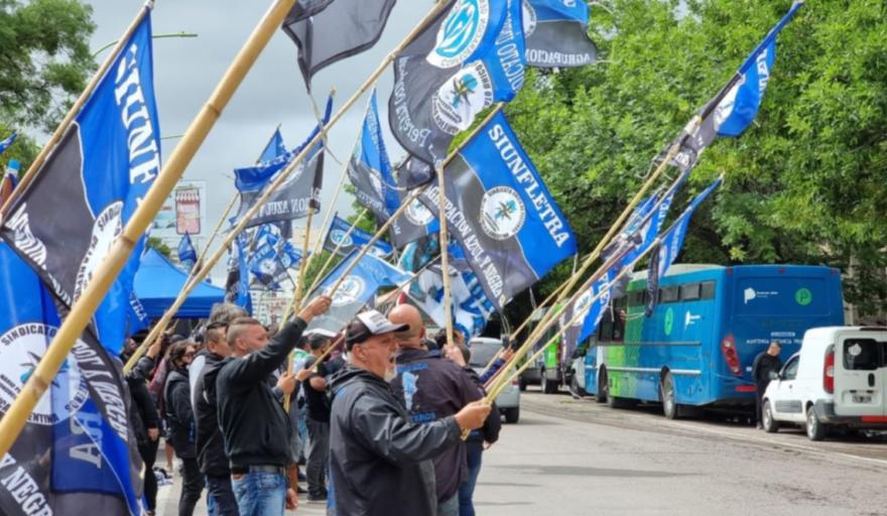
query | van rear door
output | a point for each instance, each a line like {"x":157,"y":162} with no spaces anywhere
{"x":860,"y":374}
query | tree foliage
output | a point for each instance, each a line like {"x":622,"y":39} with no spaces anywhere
{"x":805,"y":184}
{"x":44,"y":59}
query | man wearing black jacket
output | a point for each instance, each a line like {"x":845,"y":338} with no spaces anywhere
{"x":210,"y":443}
{"x":253,"y":422}
{"x":144,"y":419}
{"x":379,"y":458}
{"x":765,"y":363}
{"x":432,"y":388}
{"x":180,"y":416}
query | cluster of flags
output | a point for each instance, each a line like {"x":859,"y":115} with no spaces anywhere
{"x":508,"y":231}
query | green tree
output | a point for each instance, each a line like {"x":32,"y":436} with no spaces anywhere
{"x":157,"y":244}
{"x":804,"y":184}
{"x":44,"y":59}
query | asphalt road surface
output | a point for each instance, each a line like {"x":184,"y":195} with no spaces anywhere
{"x":575,"y":457}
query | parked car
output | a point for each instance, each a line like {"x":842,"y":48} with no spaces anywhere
{"x":483,"y":349}
{"x":837,"y":380}
{"x":548,"y":371}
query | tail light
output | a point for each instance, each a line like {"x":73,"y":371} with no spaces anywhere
{"x":728,"y":348}
{"x":828,"y":371}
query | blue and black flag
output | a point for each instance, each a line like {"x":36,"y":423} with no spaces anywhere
{"x":471,"y":56}
{"x":503,"y":216}
{"x":6,"y":143}
{"x":735,"y":106}
{"x":65,"y":221}
{"x":557,"y":34}
{"x":416,"y":221}
{"x":296,"y":195}
{"x":339,"y":237}
{"x":274,"y":148}
{"x":370,"y":170}
{"x":77,"y":453}
{"x":328,"y":31}
{"x":237,"y":283}
{"x":187,"y":253}
{"x":356,"y":290}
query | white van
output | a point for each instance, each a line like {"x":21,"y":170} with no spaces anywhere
{"x":838,"y":379}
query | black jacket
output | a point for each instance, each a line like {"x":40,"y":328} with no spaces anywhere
{"x":143,"y":414}
{"x":379,"y":459}
{"x":493,"y":425}
{"x":210,"y":443}
{"x":763,"y":364}
{"x":433,"y":388}
{"x":179,"y":415}
{"x":255,"y":427}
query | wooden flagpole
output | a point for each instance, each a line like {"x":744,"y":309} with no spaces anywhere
{"x":284,"y":174}
{"x":81,"y":313}
{"x":444,"y":253}
{"x":75,"y":109}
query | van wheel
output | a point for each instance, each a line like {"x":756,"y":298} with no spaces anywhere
{"x":815,"y":428}
{"x":601,"y":386}
{"x":548,"y":386}
{"x":512,"y":414}
{"x":666,"y":389}
{"x":768,"y":422}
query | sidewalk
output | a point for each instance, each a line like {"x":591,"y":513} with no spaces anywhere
{"x":168,"y":501}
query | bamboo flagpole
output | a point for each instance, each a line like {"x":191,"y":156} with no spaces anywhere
{"x":75,"y":109}
{"x":81,"y":313}
{"x":444,"y":254}
{"x":295,"y":301}
{"x":285,"y":173}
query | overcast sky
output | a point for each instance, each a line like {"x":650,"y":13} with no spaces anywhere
{"x":187,"y":70}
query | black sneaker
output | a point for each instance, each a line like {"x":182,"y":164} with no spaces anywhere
{"x":317,"y":497}
{"x":302,"y":490}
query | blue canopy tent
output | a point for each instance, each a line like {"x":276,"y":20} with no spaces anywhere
{"x":158,"y":282}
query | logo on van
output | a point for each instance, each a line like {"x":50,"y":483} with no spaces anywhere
{"x":751,"y":294}
{"x":803,"y":296}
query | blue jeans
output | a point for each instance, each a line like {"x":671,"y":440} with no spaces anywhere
{"x":475,"y":453}
{"x":220,"y":500}
{"x":260,"y":494}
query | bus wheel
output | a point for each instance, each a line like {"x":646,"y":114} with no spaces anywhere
{"x":666,"y":389}
{"x":602,"y":388}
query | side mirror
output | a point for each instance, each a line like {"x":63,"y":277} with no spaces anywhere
{"x":774,"y":375}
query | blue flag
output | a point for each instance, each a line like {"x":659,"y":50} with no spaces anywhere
{"x":500,"y":211}
{"x":415,"y":223}
{"x":471,"y":56}
{"x":9,"y":181}
{"x":369,"y":169}
{"x":274,"y":149}
{"x":138,"y":319}
{"x":339,"y":237}
{"x":591,"y":304}
{"x":673,"y":239}
{"x":296,"y":195}
{"x":65,"y":221}
{"x":5,"y":144}
{"x":237,"y":284}
{"x":557,"y":34}
{"x":77,"y":453}
{"x":187,"y":253}
{"x":358,"y":288}
{"x":735,"y":106}
{"x":271,"y":256}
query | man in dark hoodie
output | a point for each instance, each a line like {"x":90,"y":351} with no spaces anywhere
{"x":379,"y":458}
{"x":180,"y":416}
{"x":144,"y":418}
{"x":253,"y":422}
{"x":210,"y":443}
{"x":432,"y":388}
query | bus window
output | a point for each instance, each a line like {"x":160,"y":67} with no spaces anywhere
{"x":691,"y":292}
{"x":707,"y":290}
{"x":669,"y":295}
{"x":618,"y":325}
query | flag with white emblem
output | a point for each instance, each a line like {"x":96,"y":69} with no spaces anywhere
{"x":65,"y":221}
{"x":369,"y":169}
{"x":557,"y":34}
{"x":339,"y":237}
{"x":500,"y":211}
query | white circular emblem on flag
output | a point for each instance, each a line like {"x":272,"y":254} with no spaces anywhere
{"x":502,"y":213}
{"x":376,"y":181}
{"x":341,"y":238}
{"x":529,"y":15}
{"x":377,"y":252}
{"x":22,"y":348}
{"x":105,"y":230}
{"x":418,"y":213}
{"x":468,"y":92}
{"x":582,"y":307}
{"x":349,"y":291}
{"x":461,"y":33}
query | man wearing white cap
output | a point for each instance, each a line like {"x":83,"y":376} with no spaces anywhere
{"x":380,"y":460}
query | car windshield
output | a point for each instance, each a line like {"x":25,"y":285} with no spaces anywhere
{"x":482,"y":352}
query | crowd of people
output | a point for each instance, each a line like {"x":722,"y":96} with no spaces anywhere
{"x":250,"y":412}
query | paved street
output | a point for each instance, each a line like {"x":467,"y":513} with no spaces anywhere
{"x":577,"y":457}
